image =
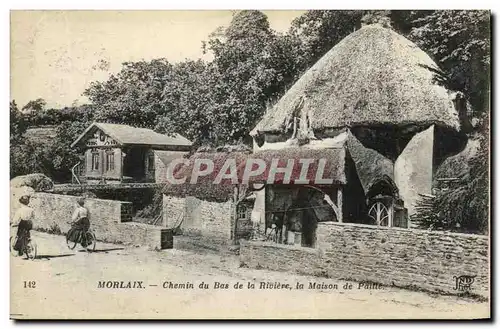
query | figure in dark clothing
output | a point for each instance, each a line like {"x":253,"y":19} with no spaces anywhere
{"x":80,"y":224}
{"x":23,"y":219}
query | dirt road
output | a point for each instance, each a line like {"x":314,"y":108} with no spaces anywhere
{"x":76,"y":284}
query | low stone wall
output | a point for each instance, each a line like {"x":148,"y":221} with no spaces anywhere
{"x":110,"y":220}
{"x":199,"y":217}
{"x":426,"y":260}
{"x":280,"y":257}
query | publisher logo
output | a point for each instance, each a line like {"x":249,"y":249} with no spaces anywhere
{"x":463,"y":282}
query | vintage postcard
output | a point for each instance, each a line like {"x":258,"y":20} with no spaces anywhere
{"x":312,"y":164}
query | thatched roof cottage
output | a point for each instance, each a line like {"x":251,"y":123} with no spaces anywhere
{"x":389,"y":98}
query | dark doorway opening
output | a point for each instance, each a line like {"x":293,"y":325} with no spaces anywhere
{"x":134,"y":164}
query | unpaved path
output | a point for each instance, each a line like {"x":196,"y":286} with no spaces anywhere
{"x":67,"y":287}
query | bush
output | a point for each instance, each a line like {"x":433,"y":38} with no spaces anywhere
{"x":464,"y":208}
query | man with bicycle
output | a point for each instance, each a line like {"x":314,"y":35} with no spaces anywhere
{"x":23,"y":219}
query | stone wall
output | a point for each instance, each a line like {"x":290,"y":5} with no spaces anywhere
{"x":281,"y":257}
{"x":174,"y":209}
{"x":391,"y":256}
{"x":212,"y":220}
{"x":110,"y":220}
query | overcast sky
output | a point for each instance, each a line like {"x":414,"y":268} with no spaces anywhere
{"x":54,"y":55}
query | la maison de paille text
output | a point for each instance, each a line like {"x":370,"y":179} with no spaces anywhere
{"x":249,"y":285}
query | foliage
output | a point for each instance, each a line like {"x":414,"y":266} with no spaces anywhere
{"x":219,"y":102}
{"x":54,"y":158}
{"x":250,"y":68}
{"x":317,"y":31}
{"x":35,"y":106}
{"x":185,"y":101}
{"x":460,"y":41}
{"x":464,"y":208}
{"x":18,"y":124}
{"x":132,"y":96}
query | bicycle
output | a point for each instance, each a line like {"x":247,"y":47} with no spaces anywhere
{"x":88,"y":238}
{"x":29,"y":247}
{"x":273,"y":234}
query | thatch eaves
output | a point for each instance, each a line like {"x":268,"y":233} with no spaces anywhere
{"x":334,"y":167}
{"x":457,"y":166}
{"x":204,"y":188}
{"x":371,"y":166}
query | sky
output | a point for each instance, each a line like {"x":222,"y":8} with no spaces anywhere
{"x":56,"y":54}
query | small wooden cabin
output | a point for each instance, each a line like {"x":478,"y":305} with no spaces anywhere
{"x":116,"y":153}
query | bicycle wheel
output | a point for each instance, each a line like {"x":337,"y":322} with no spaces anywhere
{"x":71,"y":244}
{"x":13,"y":241}
{"x":30,"y":250}
{"x":90,"y":239}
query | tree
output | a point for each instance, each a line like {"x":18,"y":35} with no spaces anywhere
{"x":63,"y":156}
{"x":35,"y":106}
{"x":460,"y":42}
{"x":133,"y":96}
{"x":250,"y":67}
{"x":18,"y":124}
{"x":317,"y":31}
{"x":55,"y":157}
{"x":186,"y":102}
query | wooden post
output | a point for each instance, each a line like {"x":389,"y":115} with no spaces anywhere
{"x":121,"y":165}
{"x":235,"y":213}
{"x":339,"y":204}
{"x":391,"y":214}
{"x":101,"y":163}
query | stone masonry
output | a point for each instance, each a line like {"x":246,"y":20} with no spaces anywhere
{"x":110,"y":220}
{"x":197,"y":217}
{"x":420,"y":259}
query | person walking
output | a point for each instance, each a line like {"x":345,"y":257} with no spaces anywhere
{"x":23,"y":219}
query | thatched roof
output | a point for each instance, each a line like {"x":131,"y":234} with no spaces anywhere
{"x":205,"y":189}
{"x":127,"y":135}
{"x":371,"y":166}
{"x":372,"y":77}
{"x":334,"y":165}
{"x":457,"y":166}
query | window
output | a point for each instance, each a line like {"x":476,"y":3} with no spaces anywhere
{"x":151,"y":162}
{"x":242,"y":212}
{"x":95,"y":160}
{"x":110,"y":161}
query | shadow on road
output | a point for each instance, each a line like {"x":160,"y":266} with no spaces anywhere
{"x":101,"y":250}
{"x":53,"y":256}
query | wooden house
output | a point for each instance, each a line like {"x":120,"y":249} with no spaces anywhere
{"x":116,"y":153}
